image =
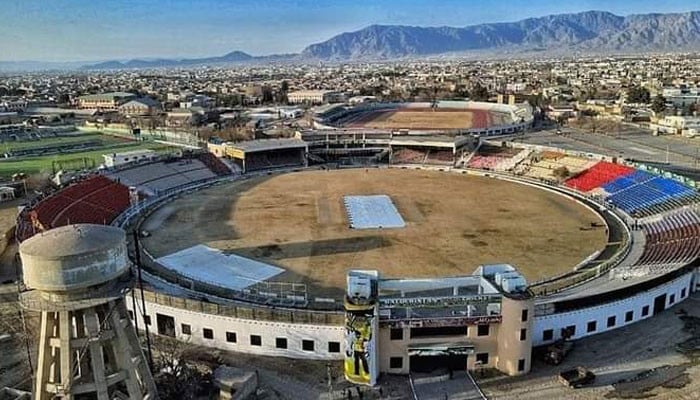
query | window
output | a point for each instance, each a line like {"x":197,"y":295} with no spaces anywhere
{"x":208,"y":333}
{"x":396,"y":334}
{"x":255,"y":340}
{"x":147,"y":319}
{"x":521,"y":365}
{"x":629,"y":316}
{"x":186,"y":329}
{"x":333,"y":347}
{"x":165,"y":324}
{"x":281,"y":343}
{"x":645,"y":311}
{"x":482,"y":330}
{"x":131,"y":315}
{"x":231,"y":337}
{"x":523,"y":334}
{"x":591,"y":326}
{"x":482,"y":358}
{"x":523,"y":316}
{"x":611,"y":321}
{"x":672,"y":299}
{"x":439,"y":331}
{"x":547,"y":334}
{"x":682,"y":293}
{"x":307,"y":345}
{"x":569,"y":331}
{"x":396,"y":362}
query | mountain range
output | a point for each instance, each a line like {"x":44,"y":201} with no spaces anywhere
{"x":590,"y":33}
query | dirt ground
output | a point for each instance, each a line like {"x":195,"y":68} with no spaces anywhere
{"x":420,"y":119}
{"x":637,"y":361}
{"x":454,"y":223}
{"x":15,"y":369}
{"x":8,"y":217}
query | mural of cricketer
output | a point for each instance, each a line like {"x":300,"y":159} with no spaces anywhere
{"x":358,"y":346}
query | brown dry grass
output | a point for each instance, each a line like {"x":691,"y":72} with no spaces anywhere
{"x":423,"y":119}
{"x":454,"y":223}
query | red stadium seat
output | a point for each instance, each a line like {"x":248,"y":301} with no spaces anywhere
{"x":95,"y":200}
{"x":598,"y":175}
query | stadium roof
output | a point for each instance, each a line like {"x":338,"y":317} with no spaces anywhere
{"x":141,"y":101}
{"x":428,"y":141}
{"x":252,"y":146}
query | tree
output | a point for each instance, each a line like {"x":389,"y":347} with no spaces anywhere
{"x":561,"y":172}
{"x":479,"y":93}
{"x":267,"y":94}
{"x":282,"y":94}
{"x":638,"y":94}
{"x":177,"y":377}
{"x":659,"y":104}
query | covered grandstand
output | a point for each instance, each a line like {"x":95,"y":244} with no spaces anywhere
{"x":255,"y":155}
{"x":430,"y":150}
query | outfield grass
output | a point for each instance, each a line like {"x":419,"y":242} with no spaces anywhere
{"x":32,"y":165}
{"x":105,"y":139}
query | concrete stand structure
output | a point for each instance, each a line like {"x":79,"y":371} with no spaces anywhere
{"x":87,"y":346}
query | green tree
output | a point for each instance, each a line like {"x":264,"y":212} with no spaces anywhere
{"x":479,"y":93}
{"x":638,"y":94}
{"x":267,"y":94}
{"x":659,"y":104}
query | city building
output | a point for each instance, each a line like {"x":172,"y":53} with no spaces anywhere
{"x":105,"y":101}
{"x":128,"y":157}
{"x":315,"y":97}
{"x":140,"y":107}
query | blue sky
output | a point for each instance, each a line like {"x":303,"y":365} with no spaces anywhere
{"x":78,"y":30}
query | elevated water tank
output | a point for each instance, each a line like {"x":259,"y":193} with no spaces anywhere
{"x":73,"y":257}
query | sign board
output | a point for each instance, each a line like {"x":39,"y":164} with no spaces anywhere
{"x":441,"y":322}
{"x":390,"y":302}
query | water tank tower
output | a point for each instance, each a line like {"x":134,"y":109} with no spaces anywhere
{"x":77,"y":276}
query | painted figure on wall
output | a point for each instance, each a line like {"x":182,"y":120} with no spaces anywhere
{"x":358,"y":348}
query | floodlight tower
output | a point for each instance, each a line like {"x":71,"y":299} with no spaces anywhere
{"x":78,"y":275}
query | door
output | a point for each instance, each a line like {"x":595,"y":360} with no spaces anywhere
{"x":452,"y":362}
{"x":659,"y":304}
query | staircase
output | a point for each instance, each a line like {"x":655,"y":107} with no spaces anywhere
{"x":439,"y":386}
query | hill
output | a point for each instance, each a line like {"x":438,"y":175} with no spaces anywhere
{"x":591,"y":31}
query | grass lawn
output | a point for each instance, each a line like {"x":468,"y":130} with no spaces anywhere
{"x":105,"y":139}
{"x":39,"y":164}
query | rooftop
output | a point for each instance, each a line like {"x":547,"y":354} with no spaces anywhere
{"x":72,"y":240}
{"x":268,"y":144}
{"x":106,"y":96}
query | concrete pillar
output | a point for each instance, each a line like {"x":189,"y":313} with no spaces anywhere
{"x":87,"y":345}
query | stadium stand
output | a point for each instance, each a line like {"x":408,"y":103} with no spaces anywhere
{"x":626,"y":181}
{"x":543,"y":166}
{"x":650,"y":195}
{"x":440,"y":157}
{"x":407,"y":155}
{"x":165,"y":175}
{"x":273,"y":159}
{"x":672,"y":239}
{"x":95,"y":200}
{"x":497,"y":158}
{"x":214,"y":164}
{"x":598,"y":175}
